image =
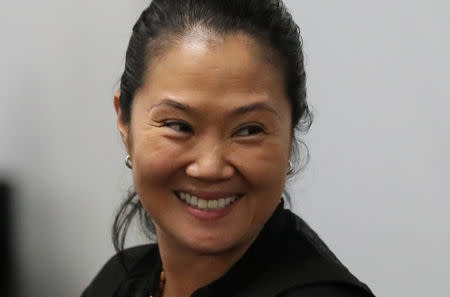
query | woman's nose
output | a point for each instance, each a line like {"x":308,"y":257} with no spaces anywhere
{"x":210,"y":164}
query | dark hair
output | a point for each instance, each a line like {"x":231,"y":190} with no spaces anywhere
{"x":163,"y":21}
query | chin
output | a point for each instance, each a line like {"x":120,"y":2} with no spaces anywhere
{"x":216,"y":243}
{"x":212,"y":248}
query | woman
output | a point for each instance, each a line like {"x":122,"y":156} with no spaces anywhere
{"x":209,"y":102}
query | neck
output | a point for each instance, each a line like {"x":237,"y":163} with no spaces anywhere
{"x":187,"y":270}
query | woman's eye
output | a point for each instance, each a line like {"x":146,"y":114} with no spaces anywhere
{"x":178,"y":126}
{"x":250,"y":130}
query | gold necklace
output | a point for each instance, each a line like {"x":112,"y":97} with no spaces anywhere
{"x":162,"y":282}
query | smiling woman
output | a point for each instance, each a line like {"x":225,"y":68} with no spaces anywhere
{"x":208,"y":105}
{"x":214,"y":141}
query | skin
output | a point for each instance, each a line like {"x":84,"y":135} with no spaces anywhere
{"x":185,"y":134}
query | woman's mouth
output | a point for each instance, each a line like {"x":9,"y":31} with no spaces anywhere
{"x":207,"y":204}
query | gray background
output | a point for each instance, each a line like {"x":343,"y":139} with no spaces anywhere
{"x":377,"y":187}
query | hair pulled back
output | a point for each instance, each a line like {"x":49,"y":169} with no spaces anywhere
{"x":163,"y":21}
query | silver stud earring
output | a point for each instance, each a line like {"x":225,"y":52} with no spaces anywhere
{"x":128,"y":162}
{"x":290,"y":168}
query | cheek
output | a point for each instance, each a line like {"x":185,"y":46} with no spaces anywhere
{"x":154,"y":160}
{"x":264,"y":166}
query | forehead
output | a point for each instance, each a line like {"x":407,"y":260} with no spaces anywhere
{"x":202,"y":63}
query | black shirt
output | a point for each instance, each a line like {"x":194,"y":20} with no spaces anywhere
{"x":287,"y":259}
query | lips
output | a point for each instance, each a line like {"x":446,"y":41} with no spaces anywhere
{"x":208,"y":201}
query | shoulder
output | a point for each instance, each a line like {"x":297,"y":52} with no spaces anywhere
{"x":327,"y":290}
{"x":310,"y":267}
{"x":115,"y":270}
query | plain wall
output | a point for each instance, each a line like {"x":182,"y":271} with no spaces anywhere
{"x":376,"y":189}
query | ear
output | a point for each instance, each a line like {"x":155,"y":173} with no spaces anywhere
{"x":121,"y":126}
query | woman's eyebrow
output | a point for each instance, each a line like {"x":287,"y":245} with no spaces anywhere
{"x":254,"y":107}
{"x":237,"y":111}
{"x":172,"y":103}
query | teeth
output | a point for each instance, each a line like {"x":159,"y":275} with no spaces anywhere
{"x":212,"y":203}
{"x":206,"y":204}
{"x":194,"y":201}
{"x":189,"y":199}
{"x":202,"y":204}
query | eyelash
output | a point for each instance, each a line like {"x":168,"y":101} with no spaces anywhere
{"x":260,"y":129}
{"x":183,"y":126}
{"x":179,"y":124}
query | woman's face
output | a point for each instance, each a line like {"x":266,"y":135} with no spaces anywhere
{"x":209,"y":139}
